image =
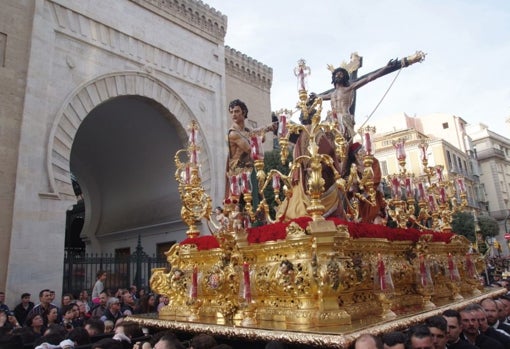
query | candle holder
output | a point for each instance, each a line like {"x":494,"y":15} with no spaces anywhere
{"x":386,"y":305}
{"x":249,"y":315}
{"x":261,"y":175}
{"x":399,"y":146}
{"x":432,"y":197}
{"x":367,"y":179}
{"x":194,"y":309}
{"x":302,"y":71}
{"x":383,"y":288}
{"x":313,"y":160}
{"x":471,"y":275}
{"x":367,"y":136}
{"x":402,"y":205}
{"x":257,"y":155}
{"x":278,"y":181}
{"x":247,"y":304}
{"x":196,"y":203}
{"x":194,"y":303}
{"x":453,"y":278}
{"x":425,"y":285}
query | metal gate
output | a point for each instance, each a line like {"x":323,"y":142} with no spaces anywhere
{"x":123,"y":271}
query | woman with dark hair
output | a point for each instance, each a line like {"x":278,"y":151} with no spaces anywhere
{"x":147,"y":304}
{"x":141,"y":293}
{"x":36,"y":324}
{"x":52,"y":317}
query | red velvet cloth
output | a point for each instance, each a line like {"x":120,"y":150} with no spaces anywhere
{"x":203,"y":243}
{"x":276,"y":231}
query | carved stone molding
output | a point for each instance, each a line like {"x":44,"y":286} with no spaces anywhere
{"x":85,"y":98}
{"x":84,"y":29}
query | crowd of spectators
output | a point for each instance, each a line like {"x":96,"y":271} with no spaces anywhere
{"x":79,"y":322}
{"x":484,"y":325}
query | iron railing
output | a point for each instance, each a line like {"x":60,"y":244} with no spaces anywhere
{"x":122,"y":271}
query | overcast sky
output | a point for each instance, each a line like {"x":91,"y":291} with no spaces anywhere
{"x":466,"y":71}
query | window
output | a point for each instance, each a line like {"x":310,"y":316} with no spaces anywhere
{"x":384,"y":167}
{"x":122,"y":252}
{"x":445,"y":125}
{"x":163,"y":247}
{"x":121,"y":271}
{"x":3,"y":48}
{"x":449,"y":157}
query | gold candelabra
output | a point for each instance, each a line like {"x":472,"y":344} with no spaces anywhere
{"x":313,"y":160}
{"x":433,"y":195}
{"x":196,"y":203}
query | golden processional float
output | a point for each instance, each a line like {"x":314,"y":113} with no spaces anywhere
{"x":312,"y":274}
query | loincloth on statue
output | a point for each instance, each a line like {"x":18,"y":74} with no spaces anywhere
{"x":296,"y":205}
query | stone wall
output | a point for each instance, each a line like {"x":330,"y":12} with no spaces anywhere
{"x":63,"y":58}
{"x":15,"y":33}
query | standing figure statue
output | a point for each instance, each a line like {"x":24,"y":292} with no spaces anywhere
{"x":343,"y":94}
{"x":239,"y":140}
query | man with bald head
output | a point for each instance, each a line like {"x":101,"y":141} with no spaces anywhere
{"x":505,"y":300}
{"x":368,"y":341}
{"x":488,"y":330}
{"x":471,"y":329}
{"x":501,"y":310}
{"x":491,"y":310}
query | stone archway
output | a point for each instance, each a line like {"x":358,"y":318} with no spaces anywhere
{"x":88,"y":96}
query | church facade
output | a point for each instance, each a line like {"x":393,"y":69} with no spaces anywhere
{"x":102,"y":93}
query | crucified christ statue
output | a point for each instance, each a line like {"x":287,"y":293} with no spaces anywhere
{"x":345,"y":86}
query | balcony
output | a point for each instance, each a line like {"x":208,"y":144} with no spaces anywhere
{"x":491,"y":153}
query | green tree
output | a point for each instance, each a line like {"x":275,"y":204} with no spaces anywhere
{"x":488,"y":226}
{"x":463,"y":223}
{"x":272,"y":161}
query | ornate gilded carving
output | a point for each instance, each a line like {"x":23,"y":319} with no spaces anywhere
{"x":314,"y":275}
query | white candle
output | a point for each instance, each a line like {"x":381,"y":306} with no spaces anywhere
{"x":234,"y":185}
{"x":282,"y":126}
{"x":460,"y":182}
{"x":276,"y":182}
{"x":421,"y":191}
{"x":256,"y":147}
{"x":368,"y":143}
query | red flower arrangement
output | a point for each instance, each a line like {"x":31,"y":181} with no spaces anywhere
{"x":276,"y":231}
{"x":203,"y":243}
